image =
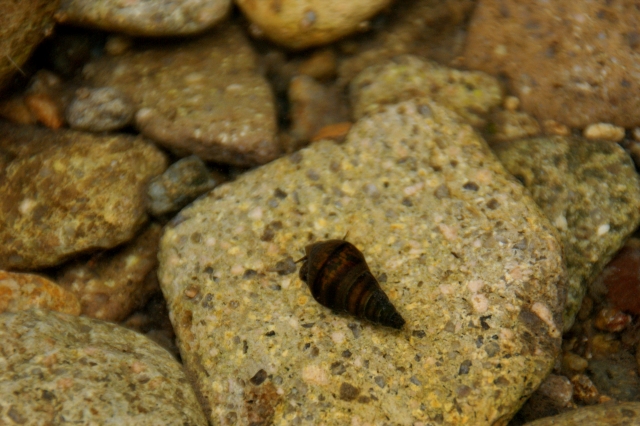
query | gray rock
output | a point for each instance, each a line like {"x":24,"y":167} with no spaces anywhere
{"x":184,"y":181}
{"x":56,"y":368}
{"x":67,"y":192}
{"x":99,"y":110}
{"x":611,"y":414}
{"x":470,"y":263}
{"x":589,"y":190}
{"x":146,"y":18}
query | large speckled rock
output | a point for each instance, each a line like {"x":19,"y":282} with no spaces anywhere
{"x":145,"y":18}
{"x":470,"y":94}
{"x":611,"y":414}
{"x":25,"y":291}
{"x":589,"y":190}
{"x":113,"y":285}
{"x":304,"y":23}
{"x":23,"y":24}
{"x":56,"y":368}
{"x":466,"y":257}
{"x":573,"y":62}
{"x":67,"y":192}
{"x":203,"y":96}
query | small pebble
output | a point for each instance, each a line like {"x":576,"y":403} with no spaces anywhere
{"x":99,"y":110}
{"x":552,"y":127}
{"x":612,"y":320}
{"x":604,"y":131}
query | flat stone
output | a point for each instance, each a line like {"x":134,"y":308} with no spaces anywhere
{"x":298,"y":24}
{"x":67,"y":192}
{"x":112,"y":285}
{"x":203,"y":96}
{"x":611,"y":414}
{"x":144,"y":18}
{"x":470,"y":94}
{"x":56,"y":368}
{"x":20,"y":292}
{"x":460,"y":249}
{"x":23,"y":25}
{"x":573,"y":62}
{"x":589,"y":190}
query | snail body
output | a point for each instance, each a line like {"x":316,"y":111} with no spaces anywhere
{"x":339,"y":278}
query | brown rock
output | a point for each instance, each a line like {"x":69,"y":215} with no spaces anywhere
{"x":202,"y":97}
{"x":23,"y":24}
{"x":146,"y":18}
{"x":620,"y":280}
{"x":67,"y":192}
{"x":610,"y":414}
{"x":298,"y":24}
{"x":111,"y":286}
{"x":568,"y":61}
{"x":20,"y":292}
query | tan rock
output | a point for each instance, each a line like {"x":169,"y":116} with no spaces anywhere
{"x":298,"y":24}
{"x":20,"y":292}
{"x":604,"y":131}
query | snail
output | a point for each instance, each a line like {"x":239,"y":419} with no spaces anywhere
{"x":339,"y":278}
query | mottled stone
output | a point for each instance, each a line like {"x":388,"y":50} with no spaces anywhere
{"x":425,"y":28}
{"x":201,"y":96}
{"x":610,"y":414}
{"x":22,"y":26}
{"x":507,"y":125}
{"x":468,"y":260}
{"x":184,"y":181}
{"x":470,"y":94}
{"x":112,"y":285}
{"x":99,"y":110}
{"x":20,"y":292}
{"x":146,"y":17}
{"x":56,"y":368}
{"x":67,"y":192}
{"x":313,"y":106}
{"x":299,"y":24}
{"x":574,"y":62}
{"x":616,"y":376}
{"x":589,"y":190}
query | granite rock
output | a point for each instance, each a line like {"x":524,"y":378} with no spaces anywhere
{"x":67,"y":192}
{"x":589,"y":190}
{"x":299,"y":24}
{"x":571,"y":62}
{"x":112,"y":285}
{"x":56,"y":368}
{"x":22,"y":26}
{"x":463,"y":253}
{"x":144,"y":18}
{"x":99,"y":110}
{"x":612,"y":414}
{"x":20,"y":292}
{"x":471,"y":94}
{"x":200,"y":96}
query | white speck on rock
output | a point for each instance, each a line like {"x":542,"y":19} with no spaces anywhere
{"x":480,"y":303}
{"x":314,"y":374}
{"x":603,"y":229}
{"x":544,"y":313}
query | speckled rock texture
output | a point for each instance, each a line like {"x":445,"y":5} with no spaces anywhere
{"x":471,"y":94}
{"x":144,"y":17}
{"x":19,"y":292}
{"x":22,"y":26}
{"x":56,"y":369}
{"x":298,"y":24}
{"x":613,"y":414}
{"x":589,"y":190}
{"x":200,"y":96}
{"x":465,"y":256}
{"x":99,"y":110}
{"x":425,"y":28}
{"x":573,"y":62}
{"x":67,"y":192}
{"x":112,"y":285}
{"x":180,"y":184}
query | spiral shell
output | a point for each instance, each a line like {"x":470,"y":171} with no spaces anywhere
{"x":339,"y":278}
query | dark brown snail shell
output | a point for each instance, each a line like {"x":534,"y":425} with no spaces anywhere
{"x":339,"y":278}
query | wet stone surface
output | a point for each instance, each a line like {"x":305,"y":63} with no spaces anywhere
{"x":589,"y":190}
{"x":67,"y":192}
{"x":56,"y":368}
{"x":200,"y":96}
{"x":463,"y":254}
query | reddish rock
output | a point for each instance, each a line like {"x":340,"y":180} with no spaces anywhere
{"x":622,"y":280}
{"x":20,"y":292}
